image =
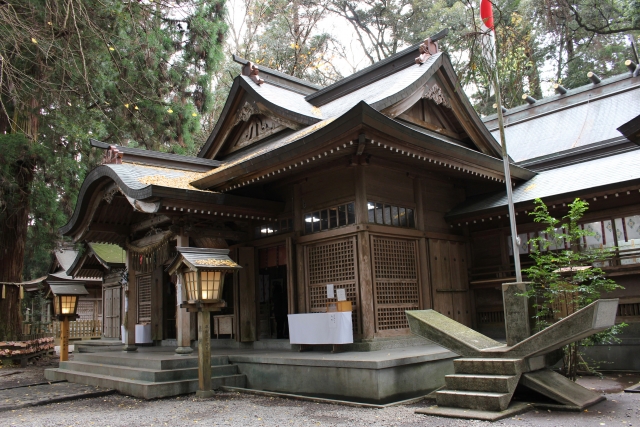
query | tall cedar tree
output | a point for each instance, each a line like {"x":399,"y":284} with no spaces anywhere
{"x":131,"y":73}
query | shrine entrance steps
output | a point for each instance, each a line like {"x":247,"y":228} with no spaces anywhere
{"x":486,"y":384}
{"x":146,"y":375}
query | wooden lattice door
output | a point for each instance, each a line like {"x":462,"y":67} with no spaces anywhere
{"x":395,"y":283}
{"x":111,"y":327}
{"x":143,"y":286}
{"x":332,"y":262}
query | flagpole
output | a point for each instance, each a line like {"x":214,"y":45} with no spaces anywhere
{"x":507,"y":172}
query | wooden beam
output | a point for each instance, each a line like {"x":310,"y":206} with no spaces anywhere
{"x":239,"y":236}
{"x":109,"y":228}
{"x":152,"y":222}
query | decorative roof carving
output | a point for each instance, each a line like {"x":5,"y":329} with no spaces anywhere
{"x":435,"y":94}
{"x":251,"y":70}
{"x":427,"y":48}
{"x":245,"y":113}
{"x":112,"y":156}
{"x":258,"y":127}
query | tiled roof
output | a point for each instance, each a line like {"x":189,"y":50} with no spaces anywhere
{"x":616,"y":169}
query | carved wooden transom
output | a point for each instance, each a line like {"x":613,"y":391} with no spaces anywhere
{"x":434,"y":93}
{"x":255,"y":128}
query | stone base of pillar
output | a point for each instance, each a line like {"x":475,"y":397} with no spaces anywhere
{"x":184,"y":351}
{"x":128,"y":347}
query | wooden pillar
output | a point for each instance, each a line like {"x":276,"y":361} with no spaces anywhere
{"x":183,"y":317}
{"x":365,"y":276}
{"x":131,"y":308}
{"x":426,"y":298}
{"x":298,"y":227}
{"x":64,"y":339}
{"x":291,"y":276}
{"x":204,"y":354}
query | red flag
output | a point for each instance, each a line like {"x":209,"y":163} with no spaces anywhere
{"x":488,"y":31}
{"x":486,"y":14}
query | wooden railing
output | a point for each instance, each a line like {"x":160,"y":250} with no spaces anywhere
{"x":80,"y":329}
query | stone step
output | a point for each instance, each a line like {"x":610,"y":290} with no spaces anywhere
{"x":483,"y":400}
{"x":143,"y":389}
{"x":493,"y":383}
{"x":146,"y":360}
{"x":482,"y":366}
{"x":143,"y":374}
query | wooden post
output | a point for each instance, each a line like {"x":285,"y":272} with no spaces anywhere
{"x":131,"y":305}
{"x":183,"y":317}
{"x":204,"y":355}
{"x":298,"y":226}
{"x":64,"y":339}
{"x":365,"y":276}
{"x":366,"y":286}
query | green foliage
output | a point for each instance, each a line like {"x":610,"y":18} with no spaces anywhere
{"x":566,"y":275}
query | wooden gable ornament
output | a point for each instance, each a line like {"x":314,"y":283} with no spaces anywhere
{"x":255,"y":127}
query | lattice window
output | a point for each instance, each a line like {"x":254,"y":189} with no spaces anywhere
{"x":397,"y":292}
{"x":395,"y":259}
{"x":143,"y":285}
{"x":85,"y":309}
{"x":332,"y":263}
{"x":391,"y":318}
{"x":395,"y":281}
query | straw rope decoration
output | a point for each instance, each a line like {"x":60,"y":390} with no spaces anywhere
{"x":148,"y":257}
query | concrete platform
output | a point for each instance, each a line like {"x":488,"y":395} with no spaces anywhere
{"x":515,"y":408}
{"x":378,"y":377}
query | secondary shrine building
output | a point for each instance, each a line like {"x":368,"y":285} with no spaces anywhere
{"x":386,"y":183}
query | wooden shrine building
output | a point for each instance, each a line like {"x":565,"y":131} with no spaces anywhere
{"x":386,"y":183}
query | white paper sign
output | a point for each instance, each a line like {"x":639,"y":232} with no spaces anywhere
{"x":342,"y":294}
{"x":330,"y":291}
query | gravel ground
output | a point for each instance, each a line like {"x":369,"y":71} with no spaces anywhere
{"x":15,"y":376}
{"x":227,"y":408}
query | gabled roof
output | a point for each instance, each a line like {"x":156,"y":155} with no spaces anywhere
{"x":146,"y":187}
{"x":583,"y":116}
{"x":390,"y":94}
{"x":97,"y":259}
{"x":317,"y":139}
{"x":562,"y":184}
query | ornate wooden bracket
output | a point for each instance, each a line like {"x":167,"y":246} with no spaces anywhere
{"x":112,"y":156}
{"x":427,"y":48}
{"x":251,"y":70}
{"x":435,"y":94}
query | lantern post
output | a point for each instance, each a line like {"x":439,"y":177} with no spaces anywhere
{"x":65,"y":307}
{"x":202,"y":272}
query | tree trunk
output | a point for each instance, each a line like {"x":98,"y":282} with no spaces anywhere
{"x":13,"y":236}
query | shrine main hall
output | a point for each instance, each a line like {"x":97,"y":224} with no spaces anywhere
{"x":386,"y":184}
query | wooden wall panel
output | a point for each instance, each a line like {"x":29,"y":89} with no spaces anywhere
{"x":157,"y":278}
{"x":390,"y":186}
{"x":325,"y":189}
{"x":449,"y":278}
{"x":247,"y":295}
